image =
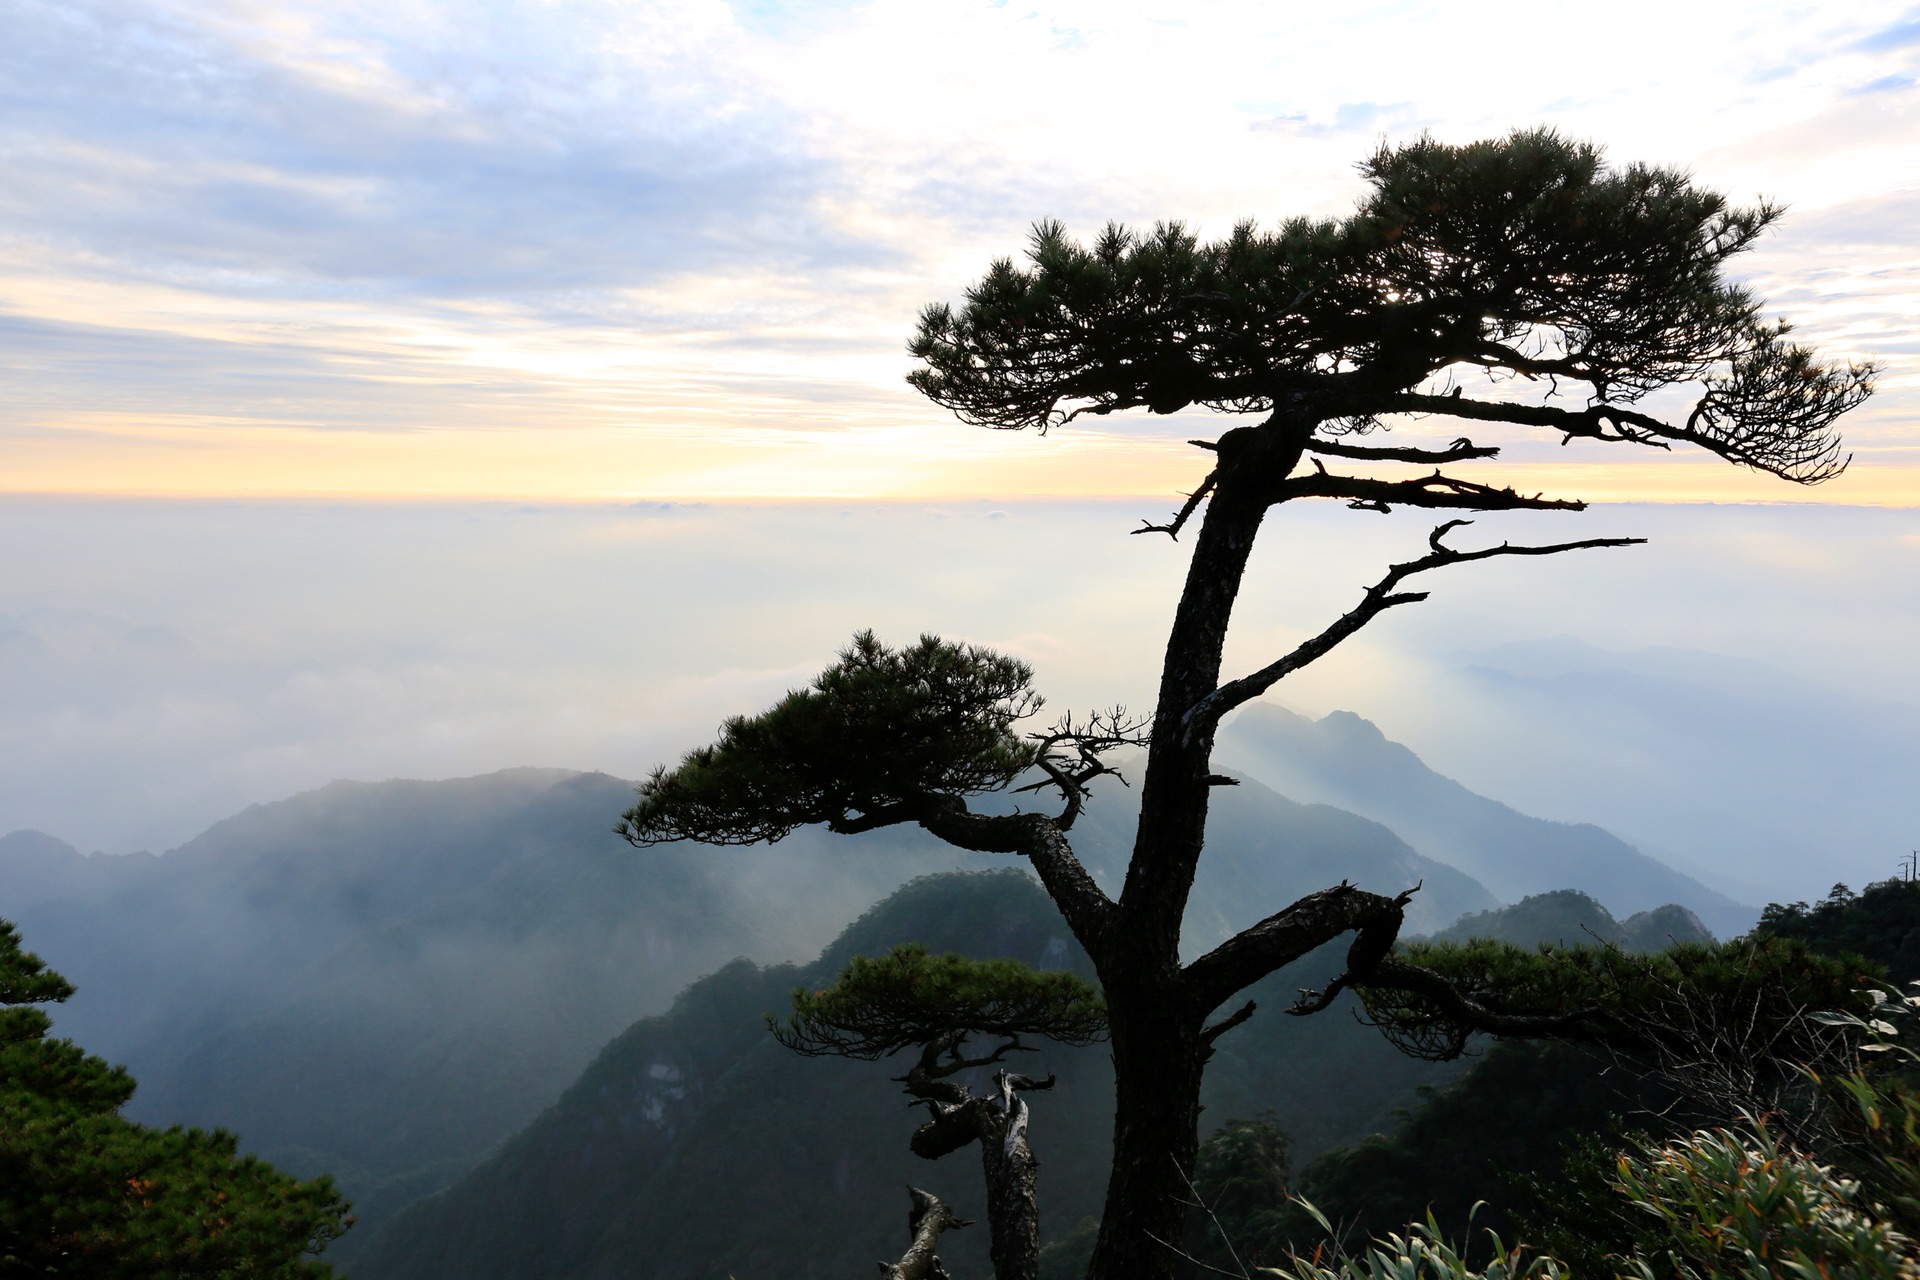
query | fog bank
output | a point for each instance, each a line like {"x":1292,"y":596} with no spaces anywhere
{"x":164,"y":664}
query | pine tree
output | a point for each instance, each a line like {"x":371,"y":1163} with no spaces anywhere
{"x":1561,"y":291}
{"x":85,"y":1192}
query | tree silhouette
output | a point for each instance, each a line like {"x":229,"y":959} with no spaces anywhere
{"x":1564,"y":291}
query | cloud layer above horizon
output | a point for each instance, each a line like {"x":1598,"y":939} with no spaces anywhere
{"x":592,"y":249}
{"x":1739,"y":694}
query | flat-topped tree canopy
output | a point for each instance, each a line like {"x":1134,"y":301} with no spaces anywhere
{"x":1527,"y":257}
{"x":882,"y":1004}
{"x":876,"y":735}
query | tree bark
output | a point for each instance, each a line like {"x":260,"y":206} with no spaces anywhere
{"x":1157,"y":1064}
{"x":1013,"y":1215}
{"x":999,"y":1124}
{"x":1159,"y":1051}
{"x":927,"y":1219}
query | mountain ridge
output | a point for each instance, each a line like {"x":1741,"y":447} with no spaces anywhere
{"x":384,"y":980}
{"x":1345,"y":760}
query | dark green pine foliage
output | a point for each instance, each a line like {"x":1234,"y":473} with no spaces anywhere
{"x":86,"y":1192}
{"x":880,"y":1005}
{"x":1456,"y":255}
{"x":1638,"y":1005}
{"x":874,"y":735}
{"x":1881,"y":923}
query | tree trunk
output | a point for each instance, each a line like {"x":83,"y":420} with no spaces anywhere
{"x":1157,"y":1065}
{"x":1158,"y":1050}
{"x":999,"y":1124}
{"x":1013,"y":1215}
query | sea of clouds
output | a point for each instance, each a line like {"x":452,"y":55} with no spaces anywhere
{"x":1738,"y":695}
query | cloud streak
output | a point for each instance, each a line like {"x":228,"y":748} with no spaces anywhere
{"x":240,"y":216}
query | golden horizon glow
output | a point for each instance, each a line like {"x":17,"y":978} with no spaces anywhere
{"x":598,"y":465}
{"x":691,"y":272}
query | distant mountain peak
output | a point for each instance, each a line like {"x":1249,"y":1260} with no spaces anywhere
{"x":1344,"y":759}
{"x":30,"y":843}
{"x":1568,"y":917}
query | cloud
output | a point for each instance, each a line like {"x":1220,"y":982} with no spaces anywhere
{"x":228,"y":218}
{"x":164,"y":664}
{"x":1346,"y":119}
{"x":529,"y":148}
{"x":1903,"y":34}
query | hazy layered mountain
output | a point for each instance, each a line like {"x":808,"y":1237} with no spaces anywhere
{"x":1567,"y":917}
{"x":1265,"y":850}
{"x":695,"y":1146}
{"x":1345,"y":760}
{"x":385,"y":980}
{"x":1732,"y":770}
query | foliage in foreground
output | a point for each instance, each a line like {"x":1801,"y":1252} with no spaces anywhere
{"x":1719,"y":1203}
{"x":90,"y":1193}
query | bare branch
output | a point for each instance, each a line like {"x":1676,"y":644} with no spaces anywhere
{"x":1282,"y":938}
{"x":1379,"y":597}
{"x":1774,"y":412}
{"x":1184,"y":1256}
{"x":927,"y":1219}
{"x":1192,"y":504}
{"x":1436,"y":490}
{"x":1198,"y":1203}
{"x":1228,"y":1023}
{"x":1459,"y":451}
{"x":1465,"y":1015}
{"x":1041,"y":841}
{"x":939,"y":1058}
{"x":1089,"y":742}
{"x":1595,"y":422}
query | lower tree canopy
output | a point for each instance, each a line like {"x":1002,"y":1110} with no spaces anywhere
{"x":89,"y":1193}
{"x":1753,"y":995}
{"x":881,"y":1005}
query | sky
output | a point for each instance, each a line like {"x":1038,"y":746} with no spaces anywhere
{"x":420,"y":388}
{"x":673,"y":250}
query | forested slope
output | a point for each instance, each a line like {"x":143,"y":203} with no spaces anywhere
{"x":695,"y":1146}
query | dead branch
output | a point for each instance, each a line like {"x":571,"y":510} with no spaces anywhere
{"x":1229,"y":1022}
{"x":928,"y":1217}
{"x":1072,"y":755}
{"x":1172,"y":528}
{"x":1436,"y":491}
{"x":1379,"y":597}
